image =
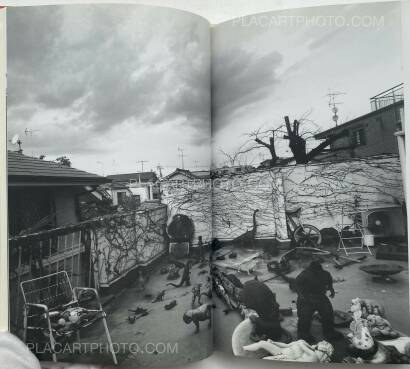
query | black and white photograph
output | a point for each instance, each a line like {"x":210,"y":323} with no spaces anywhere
{"x":178,"y":188}
{"x":103,"y":102}
{"x":309,"y":215}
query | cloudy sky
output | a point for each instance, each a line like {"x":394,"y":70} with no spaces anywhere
{"x":108,"y":86}
{"x":284,"y":63}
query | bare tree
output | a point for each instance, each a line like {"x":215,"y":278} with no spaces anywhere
{"x":297,"y":143}
{"x":297,"y":134}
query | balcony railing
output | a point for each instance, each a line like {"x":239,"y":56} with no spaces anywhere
{"x":388,"y":97}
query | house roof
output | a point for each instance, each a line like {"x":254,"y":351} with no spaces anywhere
{"x":203,"y":174}
{"x":127,"y":177}
{"x":196,"y":174}
{"x":333,"y":130}
{"x":26,"y":170}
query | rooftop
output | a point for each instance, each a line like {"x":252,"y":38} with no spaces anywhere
{"x":330,"y":131}
{"x":387,"y":97}
{"x":195,"y":174}
{"x":25,"y":170}
{"x":134,"y":177}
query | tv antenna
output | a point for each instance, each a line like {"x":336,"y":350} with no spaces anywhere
{"x":332,"y":95}
{"x":181,"y":155}
{"x":15,"y":140}
{"x":30,"y":132}
{"x":114,"y":166}
{"x":102,"y":167}
{"x":142,"y":164}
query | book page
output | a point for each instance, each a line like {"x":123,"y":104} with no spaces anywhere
{"x":106,"y":105}
{"x":310,"y":219}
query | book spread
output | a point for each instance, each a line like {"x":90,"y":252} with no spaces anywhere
{"x":177,"y":188}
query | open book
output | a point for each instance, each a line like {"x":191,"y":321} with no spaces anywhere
{"x":176,"y":188}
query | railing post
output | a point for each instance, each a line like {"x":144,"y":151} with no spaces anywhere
{"x":18,"y":282}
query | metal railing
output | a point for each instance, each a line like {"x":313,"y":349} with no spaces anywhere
{"x":78,"y":251}
{"x":388,"y":97}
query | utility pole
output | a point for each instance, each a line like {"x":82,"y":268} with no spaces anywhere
{"x":142,"y":164}
{"x":159,"y":168}
{"x":181,"y":155}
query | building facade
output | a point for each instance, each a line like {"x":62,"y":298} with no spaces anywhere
{"x":372,"y":133}
{"x":44,"y":194}
{"x":141,"y":187}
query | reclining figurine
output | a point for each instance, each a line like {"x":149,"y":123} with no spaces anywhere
{"x":295,"y":351}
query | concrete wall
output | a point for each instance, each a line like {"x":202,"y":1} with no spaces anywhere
{"x":329,"y":192}
{"x":326,"y":192}
{"x":192,"y":198}
{"x":114,"y":194}
{"x":122,"y":242}
{"x":143,"y":191}
{"x":235,"y":198}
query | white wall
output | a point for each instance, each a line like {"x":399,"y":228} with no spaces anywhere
{"x":324,"y":191}
{"x":121,"y":243}
{"x":142,"y":191}
{"x":192,"y":198}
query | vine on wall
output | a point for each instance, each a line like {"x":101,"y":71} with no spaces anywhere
{"x":122,"y":241}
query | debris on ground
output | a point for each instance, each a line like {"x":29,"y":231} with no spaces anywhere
{"x":159,"y":297}
{"x":164,"y":269}
{"x":134,"y":314}
{"x":233,"y":255}
{"x":173,"y":274}
{"x":341,"y":261}
{"x":170,"y":305}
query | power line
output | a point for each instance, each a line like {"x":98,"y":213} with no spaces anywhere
{"x":142,"y":164}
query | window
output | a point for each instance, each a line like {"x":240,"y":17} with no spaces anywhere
{"x":121,"y":197}
{"x":359,"y":137}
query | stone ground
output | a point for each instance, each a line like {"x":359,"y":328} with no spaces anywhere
{"x":158,"y":333}
{"x":350,"y":282}
{"x":166,"y":327}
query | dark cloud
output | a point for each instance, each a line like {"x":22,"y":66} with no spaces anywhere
{"x":92,"y":68}
{"x":240,"y":78}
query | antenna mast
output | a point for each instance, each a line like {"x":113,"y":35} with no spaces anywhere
{"x":102,"y":166}
{"x":142,"y":164}
{"x":181,"y":155}
{"x":159,"y":168}
{"x":332,"y":95}
{"x":30,"y":132}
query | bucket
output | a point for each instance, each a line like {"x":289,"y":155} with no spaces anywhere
{"x":369,"y":240}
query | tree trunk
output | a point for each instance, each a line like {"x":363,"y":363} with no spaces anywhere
{"x":297,"y":144}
